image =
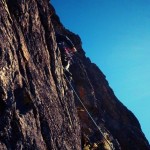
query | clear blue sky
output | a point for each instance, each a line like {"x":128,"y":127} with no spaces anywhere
{"x":116,"y":36}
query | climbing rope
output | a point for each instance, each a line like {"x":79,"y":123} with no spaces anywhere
{"x":111,"y":146}
{"x":87,"y":111}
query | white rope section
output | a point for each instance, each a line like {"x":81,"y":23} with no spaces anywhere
{"x":88,"y":111}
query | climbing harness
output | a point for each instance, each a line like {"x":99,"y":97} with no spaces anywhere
{"x":88,"y":111}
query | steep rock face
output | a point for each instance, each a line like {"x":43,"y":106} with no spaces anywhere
{"x":35,"y":113}
{"x":38,"y":108}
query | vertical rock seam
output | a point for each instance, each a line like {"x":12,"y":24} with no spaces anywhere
{"x":38,"y":108}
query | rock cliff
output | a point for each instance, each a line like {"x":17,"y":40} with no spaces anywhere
{"x":38,"y":108}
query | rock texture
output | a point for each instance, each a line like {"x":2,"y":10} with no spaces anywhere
{"x":38,"y":108}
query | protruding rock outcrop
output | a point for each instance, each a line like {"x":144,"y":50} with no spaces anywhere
{"x":38,"y":108}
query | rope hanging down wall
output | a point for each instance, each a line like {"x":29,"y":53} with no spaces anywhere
{"x":111,"y":146}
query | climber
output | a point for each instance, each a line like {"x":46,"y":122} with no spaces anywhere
{"x":67,"y":50}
